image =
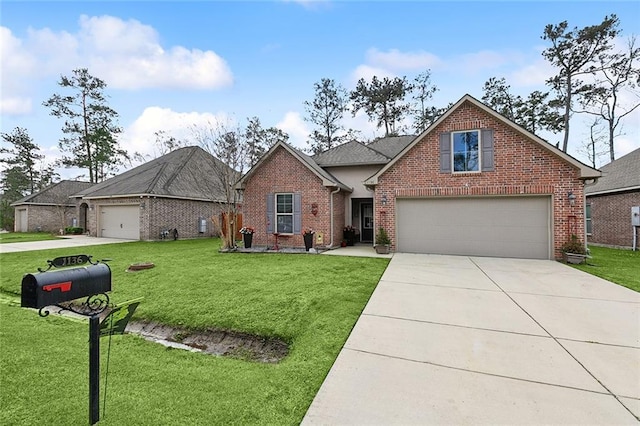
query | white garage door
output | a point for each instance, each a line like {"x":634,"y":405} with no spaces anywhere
{"x":120,"y":222}
{"x":22,"y":224}
{"x":481,"y":226}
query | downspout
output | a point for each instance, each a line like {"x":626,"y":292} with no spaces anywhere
{"x":331,"y":208}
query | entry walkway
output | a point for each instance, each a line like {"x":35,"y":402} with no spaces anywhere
{"x":465,"y":340}
{"x":68,"y":241}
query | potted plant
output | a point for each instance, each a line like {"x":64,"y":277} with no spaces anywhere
{"x":574,"y":251}
{"x":349,"y":233}
{"x":247,"y":235}
{"x":307,"y":235}
{"x":382,"y":241}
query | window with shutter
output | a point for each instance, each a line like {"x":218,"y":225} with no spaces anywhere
{"x":284,"y":213}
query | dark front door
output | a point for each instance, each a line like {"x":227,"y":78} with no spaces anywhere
{"x":366,"y":214}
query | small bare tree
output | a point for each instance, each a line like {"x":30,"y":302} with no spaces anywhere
{"x":227,"y":144}
{"x":596,"y":146}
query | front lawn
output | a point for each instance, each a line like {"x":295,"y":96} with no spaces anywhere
{"x":21,"y":237}
{"x":619,"y":266}
{"x":310,"y":301}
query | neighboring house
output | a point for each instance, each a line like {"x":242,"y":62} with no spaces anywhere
{"x":51,"y":209}
{"x":473,"y":183}
{"x":610,"y":200}
{"x":180,"y":190}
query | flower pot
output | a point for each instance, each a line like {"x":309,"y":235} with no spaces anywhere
{"x":382,"y":249}
{"x":308,"y":241}
{"x":248,"y":240}
{"x":350,"y":237}
{"x":574,"y":258}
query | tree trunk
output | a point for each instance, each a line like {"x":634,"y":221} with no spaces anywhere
{"x":567,"y":114}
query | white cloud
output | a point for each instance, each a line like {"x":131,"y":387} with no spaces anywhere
{"x":396,"y":60}
{"x":16,"y":63}
{"x":126,"y":54}
{"x":15,"y":105}
{"x":139,"y":136}
{"x":294,"y":125}
{"x":532,"y":74}
{"x":367,"y":72}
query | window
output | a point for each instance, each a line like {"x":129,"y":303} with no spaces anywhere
{"x":284,"y":213}
{"x":587,"y":217}
{"x":466,"y":151}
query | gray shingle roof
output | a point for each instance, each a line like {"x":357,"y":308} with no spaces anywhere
{"x":351,"y":153}
{"x":187,"y":173}
{"x":618,"y":175}
{"x":56,"y":194}
{"x":391,"y":145}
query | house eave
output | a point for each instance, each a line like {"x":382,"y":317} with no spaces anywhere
{"x":147,"y":195}
{"x":613,"y":191}
{"x":41,"y":204}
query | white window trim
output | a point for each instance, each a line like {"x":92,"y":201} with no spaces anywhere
{"x":283,"y":214}
{"x":453,"y":152}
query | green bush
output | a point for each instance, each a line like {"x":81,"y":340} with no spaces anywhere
{"x":74,"y":230}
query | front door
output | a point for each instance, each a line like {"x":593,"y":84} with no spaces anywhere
{"x":366,"y":214}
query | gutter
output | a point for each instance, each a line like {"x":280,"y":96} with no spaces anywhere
{"x":331,"y":208}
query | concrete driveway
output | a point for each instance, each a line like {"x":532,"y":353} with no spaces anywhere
{"x":69,"y":241}
{"x":470,"y":340}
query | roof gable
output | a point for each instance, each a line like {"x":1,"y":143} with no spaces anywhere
{"x":56,"y":194}
{"x":327,"y":178}
{"x":619,"y":175}
{"x":187,"y":173}
{"x":586,"y":172}
{"x":391,"y":146}
{"x":351,"y":153}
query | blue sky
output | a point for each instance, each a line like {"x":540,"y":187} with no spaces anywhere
{"x":172,"y":65}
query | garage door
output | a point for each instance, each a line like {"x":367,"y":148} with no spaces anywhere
{"x":482,"y":226}
{"x":120,"y":222}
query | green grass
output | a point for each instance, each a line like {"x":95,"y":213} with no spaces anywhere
{"x":312,"y":302}
{"x":619,"y":266}
{"x":21,"y":237}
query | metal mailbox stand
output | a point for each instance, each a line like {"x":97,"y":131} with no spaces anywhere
{"x":59,"y":288}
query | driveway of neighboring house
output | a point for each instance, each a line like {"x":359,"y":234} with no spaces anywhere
{"x":70,"y":241}
{"x":471,"y":340}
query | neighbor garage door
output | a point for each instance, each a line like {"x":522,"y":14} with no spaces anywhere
{"x":480,"y":226}
{"x":120,"y":222}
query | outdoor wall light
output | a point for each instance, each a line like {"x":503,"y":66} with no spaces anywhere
{"x":142,"y":205}
{"x":572,"y":198}
{"x":384,"y":199}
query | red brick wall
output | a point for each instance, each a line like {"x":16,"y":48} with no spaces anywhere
{"x":163,"y":213}
{"x":521,"y":167}
{"x":283,"y":173}
{"x":47,"y":218}
{"x":611,"y":218}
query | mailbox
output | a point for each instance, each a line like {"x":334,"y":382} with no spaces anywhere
{"x":50,"y":288}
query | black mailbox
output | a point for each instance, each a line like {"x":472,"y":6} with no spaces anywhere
{"x":50,"y":288}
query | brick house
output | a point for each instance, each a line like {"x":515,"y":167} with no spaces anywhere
{"x":473,"y":183}
{"x":51,"y":209}
{"x":610,"y":199}
{"x":180,"y":190}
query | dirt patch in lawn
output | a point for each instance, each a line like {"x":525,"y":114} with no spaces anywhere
{"x":213,"y":341}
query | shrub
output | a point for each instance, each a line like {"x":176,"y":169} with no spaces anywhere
{"x":74,"y":230}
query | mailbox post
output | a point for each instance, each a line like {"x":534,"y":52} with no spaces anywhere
{"x":61,"y":288}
